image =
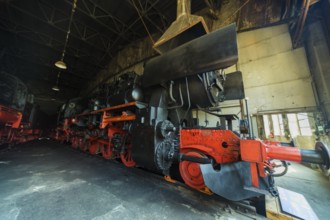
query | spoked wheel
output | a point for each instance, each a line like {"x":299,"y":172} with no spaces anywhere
{"x":94,"y":148}
{"x":126,"y":156}
{"x":106,"y":150}
{"x":191,"y":172}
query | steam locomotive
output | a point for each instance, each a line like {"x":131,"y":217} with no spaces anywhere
{"x":147,"y":121}
{"x":18,"y":113}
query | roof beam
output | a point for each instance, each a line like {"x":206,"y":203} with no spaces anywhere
{"x":57,"y":27}
{"x":26,"y":33}
{"x":134,"y":22}
{"x":44,"y":68}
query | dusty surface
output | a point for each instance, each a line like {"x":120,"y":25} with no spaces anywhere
{"x":310,"y":183}
{"x":46,"y":180}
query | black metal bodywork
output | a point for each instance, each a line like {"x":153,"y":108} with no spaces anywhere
{"x":188,"y":77}
{"x":185,"y":78}
{"x":214,"y":51}
{"x":13,"y":92}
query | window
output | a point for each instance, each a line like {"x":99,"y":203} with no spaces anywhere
{"x":297,"y":124}
{"x":293,"y":125}
{"x":278,"y":125}
{"x":266,"y":125}
{"x":304,"y":125}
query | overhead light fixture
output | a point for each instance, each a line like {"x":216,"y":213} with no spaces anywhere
{"x":61,"y":64}
{"x":56,"y":88}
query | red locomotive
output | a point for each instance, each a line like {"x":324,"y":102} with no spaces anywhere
{"x":147,"y":121}
{"x":17,"y":111}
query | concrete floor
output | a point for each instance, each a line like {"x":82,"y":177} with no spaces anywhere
{"x":46,"y":180}
{"x":310,"y":183}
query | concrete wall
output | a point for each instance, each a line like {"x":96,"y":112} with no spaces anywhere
{"x":276,"y":77}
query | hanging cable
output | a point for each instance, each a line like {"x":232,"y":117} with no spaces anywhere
{"x":74,"y":5}
{"x":236,"y":12}
{"x":61,"y":64}
{"x":145,"y":26}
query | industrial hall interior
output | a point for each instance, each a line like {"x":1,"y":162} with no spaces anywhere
{"x":164,"y":109}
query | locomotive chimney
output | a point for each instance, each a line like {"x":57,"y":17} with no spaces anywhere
{"x":185,"y":28}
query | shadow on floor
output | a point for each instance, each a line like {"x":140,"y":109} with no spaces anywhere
{"x":47,"y":180}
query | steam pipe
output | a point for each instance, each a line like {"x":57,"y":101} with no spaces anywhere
{"x":171,"y":91}
{"x":188,"y":97}
{"x":181,"y":98}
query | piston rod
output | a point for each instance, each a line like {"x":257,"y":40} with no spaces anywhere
{"x":294,"y":154}
{"x":259,"y":152}
{"x":183,"y":157}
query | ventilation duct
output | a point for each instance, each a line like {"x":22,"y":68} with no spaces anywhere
{"x":185,"y":28}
